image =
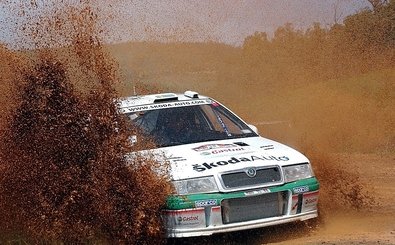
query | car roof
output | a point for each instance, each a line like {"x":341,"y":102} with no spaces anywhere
{"x":159,"y":98}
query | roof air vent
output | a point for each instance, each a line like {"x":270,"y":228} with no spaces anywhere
{"x":165,"y":97}
{"x":191,"y":94}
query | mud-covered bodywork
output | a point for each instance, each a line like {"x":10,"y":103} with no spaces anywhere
{"x":226,"y":176}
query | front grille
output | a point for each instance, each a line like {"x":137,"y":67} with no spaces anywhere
{"x":253,"y":208}
{"x":240,"y":179}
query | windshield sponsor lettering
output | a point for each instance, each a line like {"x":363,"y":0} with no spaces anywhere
{"x":165,"y":105}
{"x":209,"y":165}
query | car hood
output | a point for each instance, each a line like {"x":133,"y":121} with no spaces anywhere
{"x":214,"y":157}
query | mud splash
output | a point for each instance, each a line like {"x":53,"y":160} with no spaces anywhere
{"x":64,"y":175}
{"x":341,"y":188}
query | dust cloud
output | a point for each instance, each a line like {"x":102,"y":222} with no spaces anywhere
{"x":64,"y":172}
{"x":328,"y":92}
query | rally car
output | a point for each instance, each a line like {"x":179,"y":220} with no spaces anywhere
{"x":227,"y":177}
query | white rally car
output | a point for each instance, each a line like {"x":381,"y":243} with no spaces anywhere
{"x":227,"y":177}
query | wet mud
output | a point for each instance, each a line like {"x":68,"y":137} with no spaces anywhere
{"x":64,"y":175}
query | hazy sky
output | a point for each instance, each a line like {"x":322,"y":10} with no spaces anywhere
{"x":228,"y":21}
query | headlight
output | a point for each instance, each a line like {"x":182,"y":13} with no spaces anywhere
{"x":296,"y":172}
{"x":199,"y":185}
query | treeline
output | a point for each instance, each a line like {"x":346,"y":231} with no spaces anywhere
{"x":364,"y":42}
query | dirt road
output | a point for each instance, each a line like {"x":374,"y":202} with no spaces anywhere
{"x":373,"y":224}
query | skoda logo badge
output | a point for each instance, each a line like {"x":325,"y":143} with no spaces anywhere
{"x":251,"y":172}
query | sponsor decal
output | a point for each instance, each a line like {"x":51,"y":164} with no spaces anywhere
{"x":188,"y":220}
{"x":208,"y":147}
{"x":177,"y":159}
{"x":204,"y":203}
{"x":256,"y":192}
{"x":301,"y":189}
{"x":311,"y":200}
{"x":166,"y":105}
{"x":185,"y":217}
{"x":219,"y":151}
{"x":267,"y":147}
{"x":234,"y":160}
{"x":227,"y":150}
{"x":304,"y":202}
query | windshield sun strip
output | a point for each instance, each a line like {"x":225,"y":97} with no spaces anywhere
{"x":157,"y":106}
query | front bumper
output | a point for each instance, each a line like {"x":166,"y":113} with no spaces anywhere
{"x":206,"y":214}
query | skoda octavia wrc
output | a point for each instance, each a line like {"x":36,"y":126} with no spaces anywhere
{"x":226,"y":176}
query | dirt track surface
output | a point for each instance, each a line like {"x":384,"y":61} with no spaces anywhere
{"x":370,"y":225}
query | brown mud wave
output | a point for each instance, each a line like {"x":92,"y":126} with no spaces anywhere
{"x":64,"y":176}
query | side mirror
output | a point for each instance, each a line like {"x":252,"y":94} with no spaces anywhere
{"x":255,"y":129}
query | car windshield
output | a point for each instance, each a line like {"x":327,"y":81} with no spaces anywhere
{"x":190,"y":124}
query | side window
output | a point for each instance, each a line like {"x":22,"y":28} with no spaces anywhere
{"x":232,"y":127}
{"x":213,"y":122}
{"x":221,"y":121}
